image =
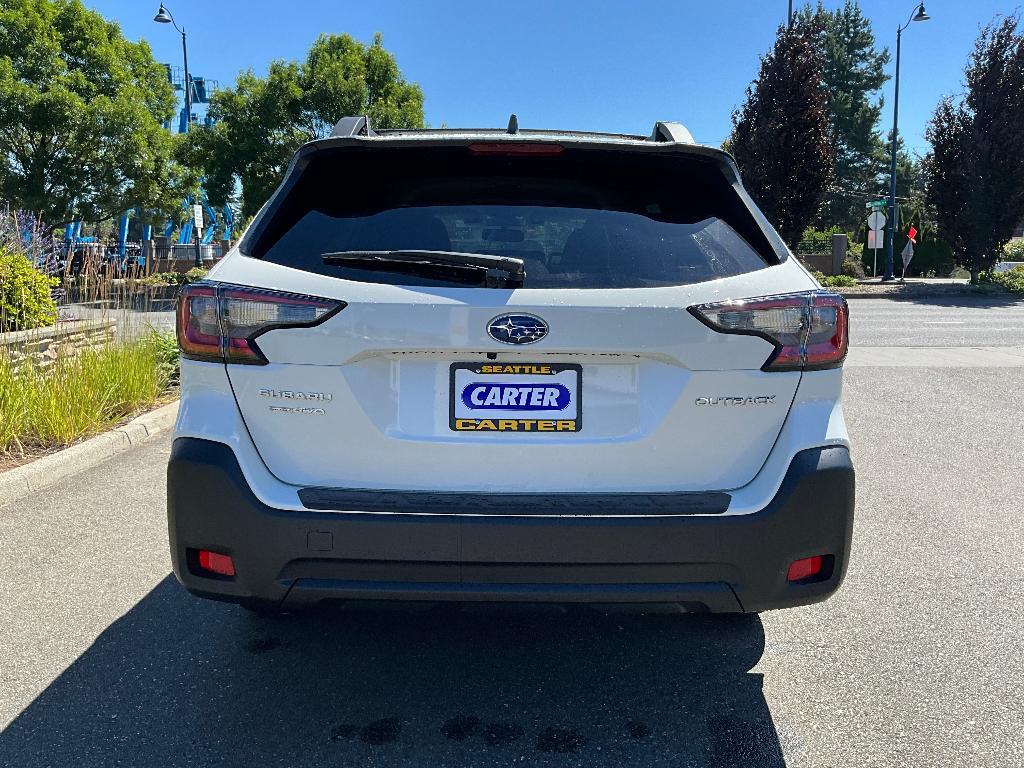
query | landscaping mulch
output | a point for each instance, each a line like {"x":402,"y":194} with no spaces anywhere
{"x":913,"y":289}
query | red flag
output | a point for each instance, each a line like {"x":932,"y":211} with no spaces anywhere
{"x":912,"y":233}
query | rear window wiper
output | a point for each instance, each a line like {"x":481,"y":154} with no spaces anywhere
{"x":468,"y":268}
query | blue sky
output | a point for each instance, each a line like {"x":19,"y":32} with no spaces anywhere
{"x":599,"y":65}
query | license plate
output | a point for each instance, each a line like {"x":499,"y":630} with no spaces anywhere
{"x":516,"y":397}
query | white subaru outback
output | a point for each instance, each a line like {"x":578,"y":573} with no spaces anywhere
{"x":489,"y":365}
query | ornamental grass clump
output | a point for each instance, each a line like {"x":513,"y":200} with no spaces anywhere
{"x":76,"y":396}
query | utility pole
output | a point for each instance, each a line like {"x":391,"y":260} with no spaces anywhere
{"x":918,"y":15}
{"x":163,"y":16}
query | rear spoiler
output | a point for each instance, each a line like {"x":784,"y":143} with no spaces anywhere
{"x":664,"y":131}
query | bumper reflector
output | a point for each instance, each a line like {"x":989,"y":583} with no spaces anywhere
{"x":805,"y":568}
{"x":214,"y":562}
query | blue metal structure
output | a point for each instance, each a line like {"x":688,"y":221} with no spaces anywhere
{"x":217,"y":223}
{"x":202,"y":89}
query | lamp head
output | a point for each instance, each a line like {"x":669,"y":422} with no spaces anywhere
{"x":921,"y":15}
{"x":164,"y":17}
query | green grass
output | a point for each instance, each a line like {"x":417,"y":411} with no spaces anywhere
{"x":43,"y":408}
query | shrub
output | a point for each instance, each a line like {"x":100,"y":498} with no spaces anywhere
{"x":25,"y":300}
{"x":1014,"y":250}
{"x":158,"y":279}
{"x":839,"y":281}
{"x":194,"y":275}
{"x":853,"y":267}
{"x":931,"y":255}
{"x":834,"y":281}
{"x":1012,"y":279}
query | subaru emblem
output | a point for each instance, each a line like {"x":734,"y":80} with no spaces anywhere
{"x":517,"y":329}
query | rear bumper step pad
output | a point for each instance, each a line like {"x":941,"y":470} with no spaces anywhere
{"x":430,"y":502}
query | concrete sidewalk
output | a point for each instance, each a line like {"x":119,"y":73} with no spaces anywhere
{"x":937,"y":357}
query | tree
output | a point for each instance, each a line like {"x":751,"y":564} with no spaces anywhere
{"x":81,"y":114}
{"x":260,"y":122}
{"x":975,"y":170}
{"x":854,"y":71}
{"x":781,"y":137}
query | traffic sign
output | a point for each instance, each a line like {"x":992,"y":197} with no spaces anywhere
{"x":197,"y":215}
{"x":876,"y":220}
{"x":877,"y":205}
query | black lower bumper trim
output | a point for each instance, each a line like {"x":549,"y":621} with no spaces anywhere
{"x":429,"y":502}
{"x":717,"y":598}
{"x":717,"y":562}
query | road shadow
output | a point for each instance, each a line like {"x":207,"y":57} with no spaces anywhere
{"x":178,"y":681}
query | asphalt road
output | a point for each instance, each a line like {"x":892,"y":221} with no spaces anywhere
{"x":918,"y":661}
{"x":937,"y":322}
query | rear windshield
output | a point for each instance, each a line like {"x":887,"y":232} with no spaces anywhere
{"x":579,"y":219}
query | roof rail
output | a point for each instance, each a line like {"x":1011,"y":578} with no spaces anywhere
{"x":353,"y":126}
{"x":666,"y":131}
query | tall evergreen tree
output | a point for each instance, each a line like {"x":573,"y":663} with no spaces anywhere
{"x":975,"y":170}
{"x":853,"y":74}
{"x":781,"y":137}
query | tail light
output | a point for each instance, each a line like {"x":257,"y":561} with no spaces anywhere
{"x":810,"y":331}
{"x":221,"y":322}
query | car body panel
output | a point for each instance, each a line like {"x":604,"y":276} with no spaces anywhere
{"x":384,"y":361}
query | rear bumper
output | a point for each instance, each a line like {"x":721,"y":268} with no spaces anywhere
{"x":721,"y":563}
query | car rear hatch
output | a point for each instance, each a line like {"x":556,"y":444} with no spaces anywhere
{"x":592,"y":375}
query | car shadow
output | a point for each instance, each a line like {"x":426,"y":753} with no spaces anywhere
{"x":179,"y":681}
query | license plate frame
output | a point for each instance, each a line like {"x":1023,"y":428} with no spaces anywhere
{"x":491,"y":372}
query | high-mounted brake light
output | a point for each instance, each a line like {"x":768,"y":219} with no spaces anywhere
{"x":810,"y":331}
{"x":515,"y":148}
{"x":221,"y":322}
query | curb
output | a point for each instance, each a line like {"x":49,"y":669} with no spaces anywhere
{"x":49,"y":470}
{"x":853,"y":294}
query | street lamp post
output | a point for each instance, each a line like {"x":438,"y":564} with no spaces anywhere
{"x":918,"y":15}
{"x":163,"y":16}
